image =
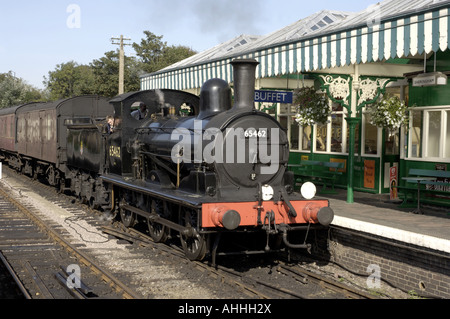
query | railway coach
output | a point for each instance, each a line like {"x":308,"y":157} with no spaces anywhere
{"x":33,"y":136}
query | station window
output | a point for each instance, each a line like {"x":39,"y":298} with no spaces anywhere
{"x":328,"y":137}
{"x":391,"y":142}
{"x":294,"y":133}
{"x":370,"y":137}
{"x":337,"y":127}
{"x":447,"y":135}
{"x":286,"y":118}
{"x":415,"y":134}
{"x":434,"y":133}
{"x":321,"y":137}
{"x":306,"y":138}
{"x":429,"y":133}
{"x":337,"y":121}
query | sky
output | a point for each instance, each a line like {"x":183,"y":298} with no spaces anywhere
{"x":37,"y":35}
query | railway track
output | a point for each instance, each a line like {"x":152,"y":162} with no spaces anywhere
{"x":245,"y":284}
{"x":11,"y":287}
{"x":253,"y":285}
{"x":45,"y":264}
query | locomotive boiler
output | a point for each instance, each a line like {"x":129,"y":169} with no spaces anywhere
{"x":207,"y":168}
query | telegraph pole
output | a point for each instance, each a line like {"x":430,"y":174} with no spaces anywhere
{"x":121,"y":61}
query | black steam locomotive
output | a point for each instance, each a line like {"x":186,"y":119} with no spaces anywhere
{"x":203,"y":168}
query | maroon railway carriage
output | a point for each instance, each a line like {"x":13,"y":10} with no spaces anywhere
{"x":7,"y":131}
{"x":33,"y":137}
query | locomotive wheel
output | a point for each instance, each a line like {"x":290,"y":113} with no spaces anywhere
{"x":128,"y":218}
{"x":194,"y":246}
{"x":158,"y":232}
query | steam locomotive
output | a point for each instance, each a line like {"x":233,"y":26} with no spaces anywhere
{"x":207,"y":168}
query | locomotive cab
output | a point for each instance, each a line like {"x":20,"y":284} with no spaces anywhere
{"x":158,"y":103}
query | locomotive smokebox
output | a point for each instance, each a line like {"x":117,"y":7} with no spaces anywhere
{"x":244,"y":84}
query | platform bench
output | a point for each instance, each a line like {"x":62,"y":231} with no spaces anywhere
{"x":324,"y":173}
{"x":434,"y":192}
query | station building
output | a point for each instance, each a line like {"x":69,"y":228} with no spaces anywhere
{"x":396,"y":47}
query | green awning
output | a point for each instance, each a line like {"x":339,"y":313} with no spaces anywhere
{"x":363,"y":41}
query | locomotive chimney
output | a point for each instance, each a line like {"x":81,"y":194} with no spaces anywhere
{"x":244,"y":84}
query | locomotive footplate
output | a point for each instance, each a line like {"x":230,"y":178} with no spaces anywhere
{"x":188,"y":200}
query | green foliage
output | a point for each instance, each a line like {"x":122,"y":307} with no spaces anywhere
{"x":312,"y":108}
{"x":101,"y":76}
{"x":106,"y":74}
{"x":69,"y":79}
{"x":155,"y":54}
{"x":389,"y":112}
{"x":14,"y":91}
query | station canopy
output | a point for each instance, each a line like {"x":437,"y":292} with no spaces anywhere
{"x":328,"y":39}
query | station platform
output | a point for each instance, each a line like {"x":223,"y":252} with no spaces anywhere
{"x":376,"y":214}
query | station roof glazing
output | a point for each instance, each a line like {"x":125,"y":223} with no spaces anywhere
{"x":327,"y":39}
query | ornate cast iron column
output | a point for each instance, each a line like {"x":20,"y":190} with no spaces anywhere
{"x":353,"y":93}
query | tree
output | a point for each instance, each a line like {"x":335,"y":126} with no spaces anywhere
{"x":101,"y":76}
{"x":155,"y":54}
{"x":68,"y":80}
{"x":15,"y":91}
{"x":106,"y":74}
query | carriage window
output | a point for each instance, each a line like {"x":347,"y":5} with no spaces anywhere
{"x":49,"y":128}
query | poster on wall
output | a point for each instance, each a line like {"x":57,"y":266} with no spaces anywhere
{"x":369,"y":174}
{"x":393,"y":182}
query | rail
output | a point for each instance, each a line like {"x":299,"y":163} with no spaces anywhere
{"x":106,"y":276}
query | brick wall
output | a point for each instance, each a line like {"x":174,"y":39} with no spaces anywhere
{"x":412,"y":269}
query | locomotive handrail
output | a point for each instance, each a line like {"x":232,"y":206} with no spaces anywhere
{"x":83,"y":126}
{"x":194,"y":130}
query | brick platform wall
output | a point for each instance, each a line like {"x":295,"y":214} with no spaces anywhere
{"x":412,"y":269}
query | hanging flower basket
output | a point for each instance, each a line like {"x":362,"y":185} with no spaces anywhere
{"x":389,"y":112}
{"x":312,"y":108}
